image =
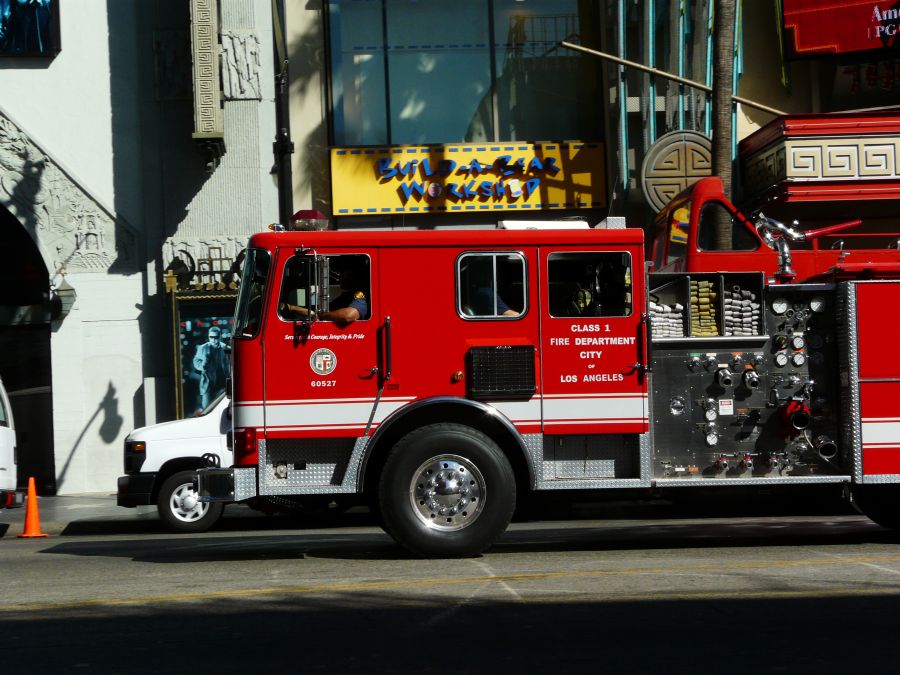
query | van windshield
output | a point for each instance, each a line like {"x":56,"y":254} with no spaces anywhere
{"x":249,"y":308}
{"x":212,"y":406}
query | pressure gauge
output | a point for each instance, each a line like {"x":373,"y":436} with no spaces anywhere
{"x":797,"y":342}
{"x":712,"y":438}
{"x":798,"y":359}
{"x":779,"y":305}
{"x":711,"y":414}
{"x":817,"y":304}
{"x":781,"y":359}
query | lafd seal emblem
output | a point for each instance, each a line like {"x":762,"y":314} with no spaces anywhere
{"x":323,"y":361}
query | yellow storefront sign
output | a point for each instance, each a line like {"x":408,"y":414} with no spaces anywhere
{"x":467,"y":177}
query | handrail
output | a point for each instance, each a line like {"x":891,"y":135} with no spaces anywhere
{"x":670,"y":76}
{"x":387,"y":349}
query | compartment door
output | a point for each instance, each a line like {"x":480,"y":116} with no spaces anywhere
{"x":592,"y":342}
{"x":877,"y":378}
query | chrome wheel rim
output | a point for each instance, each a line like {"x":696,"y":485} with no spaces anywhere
{"x":185,"y":504}
{"x":447,"y":493}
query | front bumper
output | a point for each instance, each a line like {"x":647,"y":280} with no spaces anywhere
{"x":236,"y":484}
{"x":136,"y":489}
{"x":11,"y":499}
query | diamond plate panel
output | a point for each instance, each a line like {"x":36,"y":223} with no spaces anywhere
{"x":849,"y":375}
{"x":534,"y":449}
{"x":590,"y":456}
{"x":291,"y":465}
{"x":785,"y":480}
{"x":244,"y":483}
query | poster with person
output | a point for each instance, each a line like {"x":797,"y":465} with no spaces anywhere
{"x":29,"y":27}
{"x":205,"y":360}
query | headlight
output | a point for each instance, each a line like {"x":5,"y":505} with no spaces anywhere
{"x":135,"y":446}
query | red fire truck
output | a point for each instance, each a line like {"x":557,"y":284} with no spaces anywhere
{"x":441,"y":374}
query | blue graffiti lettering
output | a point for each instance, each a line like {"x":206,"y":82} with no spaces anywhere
{"x":500,"y":165}
{"x":411,"y":188}
{"x":385,"y":168}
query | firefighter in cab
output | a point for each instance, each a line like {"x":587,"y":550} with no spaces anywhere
{"x":350,"y":305}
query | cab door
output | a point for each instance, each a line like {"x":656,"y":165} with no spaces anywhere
{"x":322,"y":376}
{"x":592,"y":341}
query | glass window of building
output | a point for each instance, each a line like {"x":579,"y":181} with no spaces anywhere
{"x":411,"y":72}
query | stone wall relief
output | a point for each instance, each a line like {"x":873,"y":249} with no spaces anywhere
{"x":71,"y":228}
{"x":240,"y":65}
{"x":207,"y":263}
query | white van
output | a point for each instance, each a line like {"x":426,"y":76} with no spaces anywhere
{"x":9,"y":495}
{"x":161,"y":462}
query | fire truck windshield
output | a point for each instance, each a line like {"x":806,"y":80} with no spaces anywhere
{"x":254,"y":277}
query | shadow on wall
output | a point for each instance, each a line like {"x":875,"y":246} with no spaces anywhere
{"x":110,"y":426}
{"x":307,"y":69}
{"x":158,"y":169}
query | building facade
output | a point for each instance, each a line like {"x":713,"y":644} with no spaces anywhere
{"x":112,"y":172}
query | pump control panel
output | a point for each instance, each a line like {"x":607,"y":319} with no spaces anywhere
{"x":746,"y":404}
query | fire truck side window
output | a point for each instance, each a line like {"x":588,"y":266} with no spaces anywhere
{"x":348,"y":284}
{"x":254,"y":277}
{"x":589,"y":284}
{"x":711,"y":216}
{"x":490,"y":285}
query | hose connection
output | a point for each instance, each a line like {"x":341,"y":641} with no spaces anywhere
{"x":751,"y":378}
{"x":796,"y":415}
{"x":725,"y":377}
{"x":826,"y":447}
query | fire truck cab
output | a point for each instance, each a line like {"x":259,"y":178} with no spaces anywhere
{"x":442,"y":373}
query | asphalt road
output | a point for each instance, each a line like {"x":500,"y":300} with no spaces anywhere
{"x":759,"y":593}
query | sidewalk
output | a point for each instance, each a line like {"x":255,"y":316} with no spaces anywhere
{"x":60,"y":513}
{"x":98,"y":513}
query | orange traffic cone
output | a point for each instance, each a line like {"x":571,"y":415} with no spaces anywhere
{"x":32,"y":517}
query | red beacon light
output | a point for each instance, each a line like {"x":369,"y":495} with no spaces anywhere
{"x":308,"y":219}
{"x":304,"y":220}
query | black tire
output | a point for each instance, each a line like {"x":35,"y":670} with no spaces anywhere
{"x":880,"y":503}
{"x":446,"y":490}
{"x":178,"y":506}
